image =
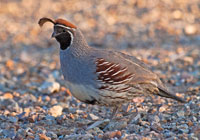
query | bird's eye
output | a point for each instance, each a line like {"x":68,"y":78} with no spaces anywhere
{"x":64,"y":30}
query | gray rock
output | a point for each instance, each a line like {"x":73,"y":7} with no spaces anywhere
{"x":55,"y":74}
{"x":135,"y":117}
{"x":28,"y":99}
{"x":9,"y":104}
{"x":101,"y":124}
{"x":79,"y":137}
{"x":116,"y":125}
{"x":13,"y":119}
{"x":194,"y":118}
{"x":156,"y":119}
{"x":95,"y":131}
{"x":52,"y":135}
{"x":183,"y":128}
{"x":9,"y":133}
{"x":50,"y":120}
{"x":180,"y":113}
{"x":133,"y":128}
{"x":193,"y":137}
{"x":37,"y":137}
{"x":49,"y":87}
{"x":2,"y":88}
{"x":168,"y":134}
{"x":49,"y":117}
{"x":21,"y":132}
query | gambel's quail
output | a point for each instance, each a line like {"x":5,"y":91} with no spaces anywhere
{"x":99,"y":76}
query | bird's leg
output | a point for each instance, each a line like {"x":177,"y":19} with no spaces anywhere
{"x":134,"y":115}
{"x":126,"y":110}
{"x":114,"y":112}
{"x":111,"y":117}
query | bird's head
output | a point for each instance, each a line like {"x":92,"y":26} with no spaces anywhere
{"x":64,"y":31}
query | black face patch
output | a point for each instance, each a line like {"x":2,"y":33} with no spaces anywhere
{"x":64,"y":39}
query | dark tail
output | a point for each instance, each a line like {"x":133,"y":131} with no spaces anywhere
{"x":164,"y":93}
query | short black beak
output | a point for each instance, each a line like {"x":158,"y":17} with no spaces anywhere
{"x":53,"y":35}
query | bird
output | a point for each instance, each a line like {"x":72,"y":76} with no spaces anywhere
{"x":101,"y":76}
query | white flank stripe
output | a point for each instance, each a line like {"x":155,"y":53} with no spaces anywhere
{"x":111,"y":70}
{"x":116,"y":65}
{"x":106,"y":70}
{"x":100,"y":72}
{"x":124,"y":80}
{"x":101,"y":59}
{"x":104,"y":63}
{"x":117,"y":86}
{"x":119,"y":71}
{"x":101,"y":81}
{"x":107,"y":79}
{"x":110,"y":67}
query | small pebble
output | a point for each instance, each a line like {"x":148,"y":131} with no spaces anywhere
{"x":190,"y":29}
{"x":32,"y":118}
{"x":8,"y":96}
{"x":188,"y":59}
{"x":56,"y":110}
{"x":177,"y":14}
{"x":181,"y":113}
{"x":43,"y":137}
{"x":111,"y":135}
{"x":93,"y":117}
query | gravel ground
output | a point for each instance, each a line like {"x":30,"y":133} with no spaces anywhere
{"x":34,"y":100}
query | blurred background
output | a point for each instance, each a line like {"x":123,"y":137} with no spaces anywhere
{"x":115,"y":23}
{"x":165,"y":34}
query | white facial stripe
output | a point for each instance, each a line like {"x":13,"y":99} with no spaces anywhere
{"x":72,"y":37}
{"x":59,"y":25}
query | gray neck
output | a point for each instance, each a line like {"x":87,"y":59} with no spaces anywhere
{"x":79,"y":45}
